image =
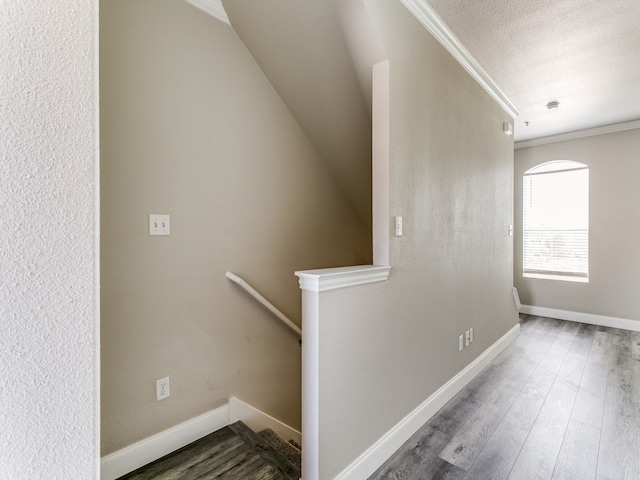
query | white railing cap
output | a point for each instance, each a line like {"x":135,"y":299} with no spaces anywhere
{"x":324,"y":279}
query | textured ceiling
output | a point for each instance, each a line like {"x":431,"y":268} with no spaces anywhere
{"x":584,"y":54}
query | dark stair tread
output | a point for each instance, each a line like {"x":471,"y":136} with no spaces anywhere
{"x":233,"y":452}
{"x":267,"y":451}
{"x":288,"y":449}
{"x":296,"y":444}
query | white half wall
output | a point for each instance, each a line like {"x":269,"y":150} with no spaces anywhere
{"x":373,"y":458}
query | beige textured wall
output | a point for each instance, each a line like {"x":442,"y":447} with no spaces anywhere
{"x":385,"y":348}
{"x":301,"y":47}
{"x":614,"y":227}
{"x":191,"y":127}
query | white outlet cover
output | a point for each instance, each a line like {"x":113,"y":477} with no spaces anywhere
{"x":162,"y":389}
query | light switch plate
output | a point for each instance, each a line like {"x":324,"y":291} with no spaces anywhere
{"x":159,"y":224}
{"x":398,"y":220}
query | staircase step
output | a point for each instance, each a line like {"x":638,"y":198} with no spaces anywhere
{"x":291,"y":450}
{"x":296,"y":444}
{"x":234,"y":452}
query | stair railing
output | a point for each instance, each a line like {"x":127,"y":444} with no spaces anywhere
{"x":266,"y":303}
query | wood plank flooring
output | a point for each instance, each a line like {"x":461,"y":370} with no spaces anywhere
{"x":560,"y":403}
{"x":232,"y":453}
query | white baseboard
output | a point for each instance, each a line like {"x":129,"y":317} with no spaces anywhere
{"x":135,"y":456}
{"x":379,"y":452}
{"x":589,"y":318}
{"x":516,"y":299}
{"x":145,"y":451}
{"x":257,"y":420}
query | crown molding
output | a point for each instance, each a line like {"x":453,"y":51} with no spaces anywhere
{"x":591,"y":132}
{"x":430,"y":19}
{"x":212,"y":7}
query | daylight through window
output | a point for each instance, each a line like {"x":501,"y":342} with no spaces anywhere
{"x":556,"y":221}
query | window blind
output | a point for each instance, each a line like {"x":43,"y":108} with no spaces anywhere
{"x":556,"y":220}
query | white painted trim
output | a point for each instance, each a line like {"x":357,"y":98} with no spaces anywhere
{"x":257,"y":420}
{"x":591,"y":132}
{"x":150,"y":449}
{"x":516,"y":298}
{"x":604,"y":321}
{"x":342,"y":277}
{"x":387,"y":445}
{"x":310,"y":385}
{"x":212,"y":7}
{"x":441,"y":31}
{"x":380,"y":162}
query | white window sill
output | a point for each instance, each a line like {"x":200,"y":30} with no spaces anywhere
{"x":562,"y":278}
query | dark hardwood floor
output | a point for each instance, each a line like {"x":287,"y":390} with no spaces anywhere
{"x":562,"y":402}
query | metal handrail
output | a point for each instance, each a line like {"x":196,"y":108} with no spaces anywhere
{"x":266,"y":303}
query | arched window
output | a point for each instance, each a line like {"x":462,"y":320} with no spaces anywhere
{"x":556,"y":221}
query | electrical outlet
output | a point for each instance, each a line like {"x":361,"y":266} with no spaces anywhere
{"x":471,"y":335}
{"x":162,"y":389}
{"x":460,"y":343}
{"x":467,"y":338}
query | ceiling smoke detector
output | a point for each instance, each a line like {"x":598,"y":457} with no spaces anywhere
{"x":553,"y":105}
